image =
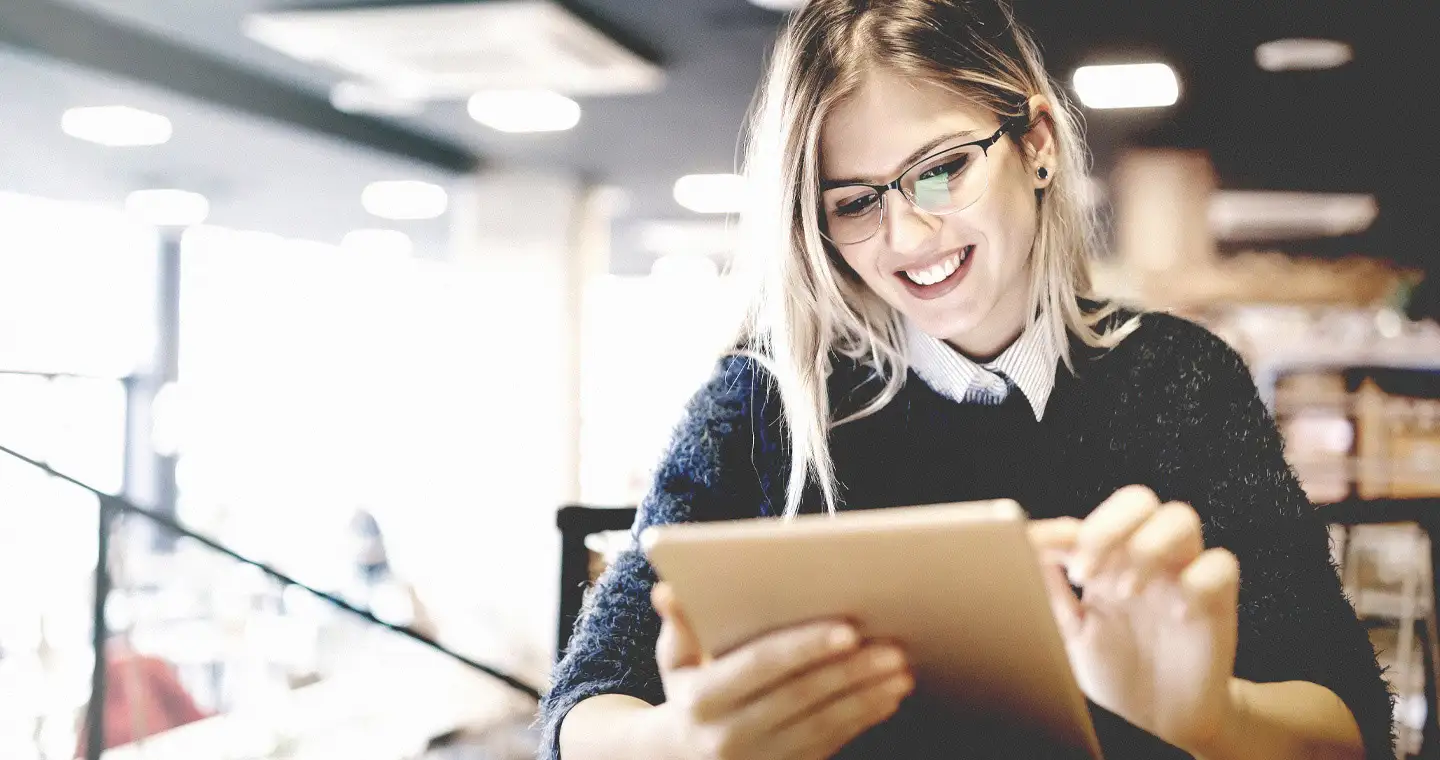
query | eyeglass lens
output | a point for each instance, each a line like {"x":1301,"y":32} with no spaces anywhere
{"x":943,"y":184}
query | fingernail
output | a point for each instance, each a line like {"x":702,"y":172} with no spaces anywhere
{"x":843,"y":637}
{"x":901,"y":684}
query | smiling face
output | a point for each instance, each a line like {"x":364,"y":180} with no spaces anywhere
{"x":963,"y":276}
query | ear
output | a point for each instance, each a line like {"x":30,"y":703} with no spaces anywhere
{"x":1039,"y":143}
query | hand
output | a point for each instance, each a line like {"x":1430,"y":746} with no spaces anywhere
{"x":797,"y":694}
{"x":1154,"y":639}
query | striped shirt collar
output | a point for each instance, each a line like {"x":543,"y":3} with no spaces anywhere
{"x":1030,"y":363}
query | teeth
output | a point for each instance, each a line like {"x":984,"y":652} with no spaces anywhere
{"x":939,"y":271}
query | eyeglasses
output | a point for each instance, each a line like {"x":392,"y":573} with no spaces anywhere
{"x":939,"y":184}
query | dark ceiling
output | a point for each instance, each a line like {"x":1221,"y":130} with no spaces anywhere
{"x":1363,"y":127}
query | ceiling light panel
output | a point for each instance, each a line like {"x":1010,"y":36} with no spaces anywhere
{"x":167,"y":207}
{"x":449,"y":51}
{"x":521,"y":111}
{"x":711,"y":193}
{"x":1127,"y":85}
{"x":116,"y":126}
{"x":1257,"y":215}
{"x":404,"y":200}
{"x":1302,"y":54}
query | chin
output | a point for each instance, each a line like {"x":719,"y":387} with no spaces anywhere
{"x":952,"y":324}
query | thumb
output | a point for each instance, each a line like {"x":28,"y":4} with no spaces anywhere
{"x":1063,"y":601}
{"x":677,"y":647}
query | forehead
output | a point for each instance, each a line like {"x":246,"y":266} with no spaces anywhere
{"x":870,"y":133}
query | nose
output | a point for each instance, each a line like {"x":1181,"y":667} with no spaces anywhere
{"x":906,"y":227}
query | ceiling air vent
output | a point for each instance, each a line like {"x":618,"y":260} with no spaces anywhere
{"x":452,"y":50}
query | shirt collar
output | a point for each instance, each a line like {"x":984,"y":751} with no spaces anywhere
{"x":1030,"y":363}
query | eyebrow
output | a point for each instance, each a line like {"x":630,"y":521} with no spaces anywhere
{"x":910,"y":160}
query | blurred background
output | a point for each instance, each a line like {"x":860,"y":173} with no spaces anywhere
{"x":367,"y":292}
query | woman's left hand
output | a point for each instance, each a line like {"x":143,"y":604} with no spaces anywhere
{"x":1154,"y":638}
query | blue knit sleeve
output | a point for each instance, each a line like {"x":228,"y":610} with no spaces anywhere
{"x":715,"y":469}
{"x":1225,"y":457}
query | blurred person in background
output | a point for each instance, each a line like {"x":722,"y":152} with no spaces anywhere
{"x":920,"y":335}
{"x":378,"y":588}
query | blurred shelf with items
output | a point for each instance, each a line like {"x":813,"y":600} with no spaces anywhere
{"x":1356,"y":396}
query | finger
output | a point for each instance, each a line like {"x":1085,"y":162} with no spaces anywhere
{"x":1054,"y":539}
{"x":737,"y":677}
{"x":1108,"y":528}
{"x":806,"y":692}
{"x":1063,"y":602}
{"x":677,"y":647}
{"x":823,"y":732}
{"x":1211,"y":584}
{"x":1166,"y":544}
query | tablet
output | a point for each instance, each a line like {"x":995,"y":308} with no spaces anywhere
{"x":957,"y":585}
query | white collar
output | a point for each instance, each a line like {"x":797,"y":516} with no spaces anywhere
{"x":1030,"y":363}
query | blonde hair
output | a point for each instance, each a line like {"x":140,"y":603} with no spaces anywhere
{"x":806,"y":308}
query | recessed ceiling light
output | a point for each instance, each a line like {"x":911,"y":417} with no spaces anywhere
{"x":387,"y":243}
{"x":1302,"y":54}
{"x":520,"y":111}
{"x":710,"y":193}
{"x":1128,"y":85}
{"x":167,"y":207}
{"x":404,"y":199}
{"x":360,"y":97}
{"x":116,"y":126}
{"x":707,"y":237}
{"x":688,"y":266}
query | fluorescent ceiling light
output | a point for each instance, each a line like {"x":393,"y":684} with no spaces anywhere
{"x":404,"y":199}
{"x":1128,"y":85}
{"x":167,"y":207}
{"x":685,"y":266}
{"x":1271,"y":215}
{"x":1301,"y":54}
{"x":710,"y":193}
{"x":521,"y":111}
{"x":783,"y":6}
{"x":116,"y":126}
{"x":360,"y":97}
{"x":384,"y":243}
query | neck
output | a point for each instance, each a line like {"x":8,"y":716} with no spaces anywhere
{"x":988,"y":341}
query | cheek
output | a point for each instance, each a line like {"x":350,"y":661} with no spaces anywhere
{"x":1011,"y":222}
{"x":860,"y":259}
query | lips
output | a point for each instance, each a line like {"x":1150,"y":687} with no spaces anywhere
{"x":938,"y":278}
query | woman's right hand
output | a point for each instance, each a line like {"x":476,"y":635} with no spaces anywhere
{"x":801,"y":693}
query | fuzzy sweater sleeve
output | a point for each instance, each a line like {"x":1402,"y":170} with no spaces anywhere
{"x":1226,"y":459}
{"x":713,"y":470}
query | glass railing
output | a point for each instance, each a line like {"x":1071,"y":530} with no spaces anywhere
{"x":208,"y":653}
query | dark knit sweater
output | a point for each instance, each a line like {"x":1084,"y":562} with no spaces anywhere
{"x":1172,"y":407}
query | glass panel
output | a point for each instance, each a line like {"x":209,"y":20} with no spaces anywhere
{"x":258,"y":670}
{"x":76,"y":288}
{"x":47,"y":562}
{"x":317,"y":386}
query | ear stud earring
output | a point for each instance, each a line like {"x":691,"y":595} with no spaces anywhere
{"x":1042,"y":172}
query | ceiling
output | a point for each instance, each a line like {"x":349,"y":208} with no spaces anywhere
{"x":1359,"y":128}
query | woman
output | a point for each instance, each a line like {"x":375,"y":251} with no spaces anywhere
{"x":918,"y":336}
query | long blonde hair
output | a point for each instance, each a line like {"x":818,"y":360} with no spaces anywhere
{"x":805,"y":308}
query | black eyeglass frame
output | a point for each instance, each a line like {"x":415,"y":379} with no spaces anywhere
{"x":1008,"y":125}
